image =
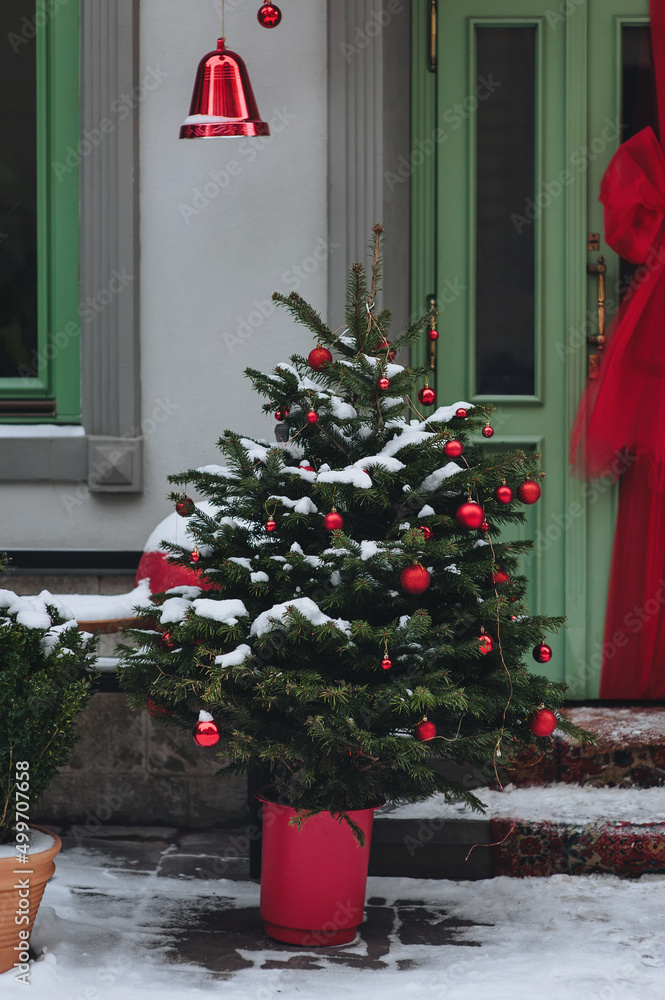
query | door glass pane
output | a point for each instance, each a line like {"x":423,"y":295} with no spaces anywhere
{"x":18,"y":196}
{"x":505,"y":172}
{"x":638,"y":102}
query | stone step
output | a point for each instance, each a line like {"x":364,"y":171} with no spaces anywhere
{"x":630,"y":751}
{"x":558,"y":829}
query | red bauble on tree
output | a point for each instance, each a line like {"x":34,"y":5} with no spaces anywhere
{"x":185,"y":506}
{"x":485,"y":526}
{"x":461,"y":413}
{"x":427,"y":532}
{"x":333,"y":521}
{"x":503,"y":494}
{"x":485,"y":643}
{"x":271,"y":525}
{"x":529,"y":491}
{"x":488,"y":431}
{"x":269,"y":15}
{"x":384,"y":383}
{"x":195,"y":556}
{"x":427,"y":396}
{"x":312,"y":417}
{"x":432,"y":334}
{"x":206,"y":731}
{"x":453,"y":449}
{"x":319,"y":358}
{"x":499,"y":576}
{"x":167,"y":642}
{"x":542,"y":653}
{"x":282,"y":413}
{"x":415,"y":579}
{"x":470,"y":515}
{"x":425,"y":731}
{"x":386,"y":664}
{"x":542,"y":722}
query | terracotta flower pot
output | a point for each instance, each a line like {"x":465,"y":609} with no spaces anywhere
{"x":313,"y":880}
{"x":21,"y":890}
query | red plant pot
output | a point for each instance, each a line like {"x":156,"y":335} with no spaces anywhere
{"x":313,"y":880}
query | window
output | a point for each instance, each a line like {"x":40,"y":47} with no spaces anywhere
{"x":39,"y":214}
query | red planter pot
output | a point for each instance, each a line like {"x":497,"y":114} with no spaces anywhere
{"x":313,"y":880}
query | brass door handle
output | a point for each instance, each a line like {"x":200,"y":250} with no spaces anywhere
{"x":598,"y":339}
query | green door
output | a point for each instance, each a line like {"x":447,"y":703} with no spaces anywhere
{"x":512,"y":134}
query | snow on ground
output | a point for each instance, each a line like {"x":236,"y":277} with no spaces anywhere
{"x":558,"y":803}
{"x":107,"y":933}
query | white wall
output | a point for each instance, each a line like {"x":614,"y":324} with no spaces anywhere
{"x":210,"y":251}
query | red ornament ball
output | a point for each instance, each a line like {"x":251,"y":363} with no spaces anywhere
{"x":542,"y":722}
{"x":195,"y":556}
{"x":386,"y":664}
{"x":488,"y":431}
{"x":461,"y":413}
{"x":425,"y":731}
{"x":427,"y":396}
{"x":156,"y":710}
{"x":432,"y":334}
{"x":319,"y":358}
{"x":485,"y":643}
{"x":167,"y":642}
{"x":503,"y":494}
{"x":312,"y":417}
{"x":384,"y":383}
{"x":542,"y":653}
{"x":271,"y":525}
{"x":185,"y":506}
{"x":415,"y":579}
{"x":484,"y":526}
{"x":529,"y":491}
{"x":206,"y":734}
{"x":282,"y":413}
{"x":453,"y":449}
{"x":470,"y":515}
{"x":427,"y":532}
{"x":333,"y":521}
{"x":500,"y":576}
{"x":269,"y":15}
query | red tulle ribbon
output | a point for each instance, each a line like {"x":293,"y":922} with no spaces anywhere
{"x":619,"y":429}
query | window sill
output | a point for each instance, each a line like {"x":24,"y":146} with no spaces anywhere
{"x":66,"y":454}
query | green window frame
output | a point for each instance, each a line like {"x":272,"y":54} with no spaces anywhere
{"x":54,"y":395}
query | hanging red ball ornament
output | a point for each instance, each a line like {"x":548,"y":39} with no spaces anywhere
{"x":499,"y":576}
{"x":425,"y":731}
{"x":282,"y":413}
{"x":488,"y":431}
{"x":470,"y":515}
{"x":432,"y":334}
{"x":427,"y":396}
{"x":269,"y":15}
{"x":461,"y":413}
{"x":386,"y":664}
{"x":319,"y":358}
{"x":185,"y":506}
{"x":485,"y":643}
{"x":453,"y":449}
{"x":156,"y":710}
{"x":484,"y":526}
{"x":542,"y":653}
{"x":384,"y":383}
{"x":503,"y":494}
{"x":271,"y":525}
{"x":529,"y":491}
{"x":333,"y":521}
{"x":427,"y":532}
{"x":542,"y":722}
{"x":195,"y":556}
{"x":206,"y":733}
{"x":415,"y":579}
{"x":312,"y":417}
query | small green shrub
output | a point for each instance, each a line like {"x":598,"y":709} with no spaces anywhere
{"x":46,"y":679}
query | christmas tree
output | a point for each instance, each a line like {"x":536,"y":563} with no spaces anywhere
{"x":361,"y":618}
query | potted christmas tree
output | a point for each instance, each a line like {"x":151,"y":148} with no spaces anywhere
{"x":46,"y":668}
{"x":364,"y":619}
